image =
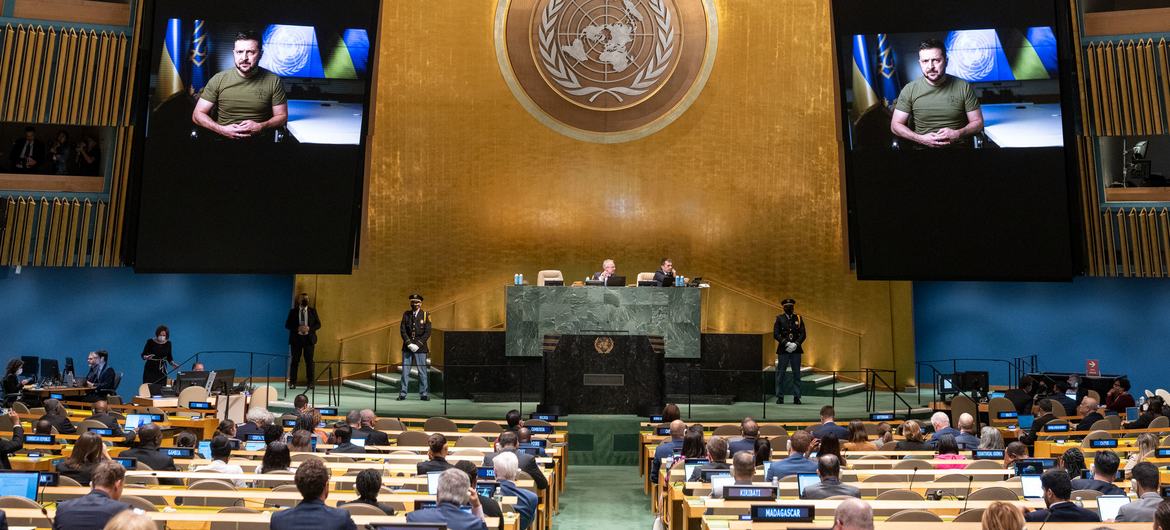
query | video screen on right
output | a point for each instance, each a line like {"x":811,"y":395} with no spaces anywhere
{"x":954,"y":116}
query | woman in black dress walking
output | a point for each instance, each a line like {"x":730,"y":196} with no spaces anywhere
{"x":157,"y":354}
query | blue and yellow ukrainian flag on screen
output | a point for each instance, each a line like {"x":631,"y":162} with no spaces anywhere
{"x":198,"y":55}
{"x":170,"y":79}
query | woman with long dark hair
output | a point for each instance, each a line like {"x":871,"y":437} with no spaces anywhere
{"x":88,"y":451}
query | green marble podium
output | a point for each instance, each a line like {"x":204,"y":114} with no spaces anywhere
{"x":535,"y":311}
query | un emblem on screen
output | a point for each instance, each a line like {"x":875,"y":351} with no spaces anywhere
{"x":606,"y":70}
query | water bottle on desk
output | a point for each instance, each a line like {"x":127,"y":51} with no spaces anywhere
{"x":515,"y":279}
{"x":521,"y":279}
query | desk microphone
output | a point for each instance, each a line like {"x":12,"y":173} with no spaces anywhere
{"x":45,"y":511}
{"x":1045,"y":521}
{"x":970,"y":482}
{"x":912,"y":475}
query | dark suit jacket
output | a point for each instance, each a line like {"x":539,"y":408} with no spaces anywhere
{"x":38,"y":154}
{"x":103,"y":381}
{"x":415,"y":330}
{"x":825,"y":429}
{"x":386,"y":508}
{"x":1088,"y":421}
{"x":11,"y":446}
{"x":375,"y":437}
{"x":1029,"y":438}
{"x":347,"y":448}
{"x":90,"y":512}
{"x":742,"y":444}
{"x":527,"y":464}
{"x":1063,"y":512}
{"x":1106,"y":488}
{"x":3,"y":521}
{"x":1142,"y":422}
{"x":697,"y":474}
{"x":526,"y":502}
{"x":663,"y":279}
{"x":109,"y":420}
{"x":788,"y":329}
{"x":157,"y":460}
{"x":439,"y":464}
{"x":293,"y":321}
{"x":830,"y":487}
{"x":448,"y":513}
{"x":63,"y":425}
{"x":82,"y":474}
{"x":246,"y":428}
{"x":312,"y":515}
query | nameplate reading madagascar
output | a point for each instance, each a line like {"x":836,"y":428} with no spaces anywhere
{"x":785,"y":514}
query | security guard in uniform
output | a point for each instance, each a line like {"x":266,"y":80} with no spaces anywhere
{"x":789,"y":334}
{"x":415,"y":329}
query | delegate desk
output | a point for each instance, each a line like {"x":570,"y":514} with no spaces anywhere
{"x":262,"y":518}
{"x":1023,"y":124}
{"x":726,"y":523}
{"x":324,"y":122}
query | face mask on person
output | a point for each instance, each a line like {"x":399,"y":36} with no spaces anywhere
{"x":304,"y":303}
{"x":19,"y":371}
{"x":162,"y":339}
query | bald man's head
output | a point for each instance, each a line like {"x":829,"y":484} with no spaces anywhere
{"x":677,"y":428}
{"x":853,"y":514}
{"x":966,"y":423}
{"x":1087,"y":405}
{"x":749,"y":428}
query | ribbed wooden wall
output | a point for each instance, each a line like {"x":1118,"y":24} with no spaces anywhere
{"x":69,"y":76}
{"x":1124,"y":91}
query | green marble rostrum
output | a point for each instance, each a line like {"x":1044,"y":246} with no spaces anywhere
{"x":670,"y":312}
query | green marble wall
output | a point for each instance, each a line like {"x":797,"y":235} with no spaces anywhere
{"x":670,"y":312}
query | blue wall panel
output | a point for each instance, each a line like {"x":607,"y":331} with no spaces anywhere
{"x":69,"y":312}
{"x":1121,"y":322}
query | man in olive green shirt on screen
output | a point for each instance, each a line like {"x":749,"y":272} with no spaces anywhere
{"x":250,"y":99}
{"x":945,"y":109}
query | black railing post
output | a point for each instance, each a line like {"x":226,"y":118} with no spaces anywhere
{"x":834,"y":387}
{"x":445,"y":368}
{"x":521,"y":392}
{"x":690,"y":375}
{"x":763,"y":397}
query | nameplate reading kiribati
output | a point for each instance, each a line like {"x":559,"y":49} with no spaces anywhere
{"x":606,"y":70}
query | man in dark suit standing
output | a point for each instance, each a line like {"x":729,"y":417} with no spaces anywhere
{"x":312,"y":480}
{"x":415,"y":329}
{"x":665,"y":274}
{"x":302,"y":325}
{"x":789,"y":334}
{"x":101,"y":377}
{"x":28,"y":154}
{"x":95,"y":509}
{"x":508,"y":442}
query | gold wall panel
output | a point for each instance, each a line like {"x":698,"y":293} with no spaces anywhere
{"x":466,"y":188}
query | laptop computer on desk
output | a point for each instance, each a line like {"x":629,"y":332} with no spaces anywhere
{"x":615,"y":281}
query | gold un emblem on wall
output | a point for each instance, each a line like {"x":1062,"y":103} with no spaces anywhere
{"x":606,"y":71}
{"x":603,"y":345}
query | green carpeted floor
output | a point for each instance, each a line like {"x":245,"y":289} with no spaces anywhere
{"x":604,"y":497}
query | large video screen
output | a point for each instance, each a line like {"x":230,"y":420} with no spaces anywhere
{"x":253,"y":117}
{"x":954,"y":115}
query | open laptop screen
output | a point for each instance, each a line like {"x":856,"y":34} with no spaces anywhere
{"x":1031,"y":486}
{"x":1109,"y":505}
